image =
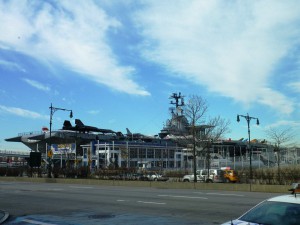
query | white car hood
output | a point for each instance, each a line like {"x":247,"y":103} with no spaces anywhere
{"x":240,"y":222}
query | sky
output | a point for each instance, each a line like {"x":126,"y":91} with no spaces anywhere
{"x":116,"y":63}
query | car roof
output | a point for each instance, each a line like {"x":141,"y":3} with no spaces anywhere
{"x":286,"y":198}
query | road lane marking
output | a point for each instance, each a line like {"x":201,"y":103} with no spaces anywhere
{"x":55,"y":189}
{"x":182,"y":196}
{"x":80,"y":187}
{"x":120,"y":200}
{"x":212,"y":193}
{"x":225,"y":194}
{"x":156,"y":203}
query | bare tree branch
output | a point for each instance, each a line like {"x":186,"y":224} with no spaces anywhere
{"x":217,"y":128}
{"x":280,"y":137}
{"x":196,"y":109}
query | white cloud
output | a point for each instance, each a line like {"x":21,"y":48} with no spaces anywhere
{"x":11,"y":65}
{"x":231,"y":47}
{"x":93,"y":112}
{"x":295,"y":86}
{"x":73,"y":35}
{"x":37,"y":85}
{"x":22,"y":112}
{"x":284,"y":123}
{"x":275,"y":100}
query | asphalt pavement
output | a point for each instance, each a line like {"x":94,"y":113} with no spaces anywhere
{"x":86,"y":204}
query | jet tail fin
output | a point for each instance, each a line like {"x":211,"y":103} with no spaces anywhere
{"x":79,"y":123}
{"x":128,"y":131}
{"x":67,"y":125}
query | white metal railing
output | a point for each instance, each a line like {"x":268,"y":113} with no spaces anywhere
{"x":30,"y":133}
{"x":11,"y":152}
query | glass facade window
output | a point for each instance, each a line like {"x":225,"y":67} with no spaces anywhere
{"x":158,"y":154}
{"x":171,"y":154}
{"x":150,"y":153}
{"x":165,"y":153}
{"x":133,"y":153}
{"x":133,"y":163}
{"x":142,"y":153}
{"x":123,"y":164}
{"x":165,"y":164}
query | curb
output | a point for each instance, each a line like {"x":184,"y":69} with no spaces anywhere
{"x":156,"y":184}
{"x":3,"y":216}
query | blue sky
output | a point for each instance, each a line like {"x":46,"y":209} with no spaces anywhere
{"x":115,"y":63}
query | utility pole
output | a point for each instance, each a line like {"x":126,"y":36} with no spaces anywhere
{"x":248,"y":119}
{"x":50,"y":153}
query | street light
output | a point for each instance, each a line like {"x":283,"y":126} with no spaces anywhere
{"x":52,"y":111}
{"x":248,"y":119}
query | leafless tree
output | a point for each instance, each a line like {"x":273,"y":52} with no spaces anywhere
{"x":195,"y":111}
{"x":279,"y":138}
{"x":215,"y":129}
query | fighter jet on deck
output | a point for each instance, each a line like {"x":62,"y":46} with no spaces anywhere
{"x":80,"y":127}
{"x":138,"y":136}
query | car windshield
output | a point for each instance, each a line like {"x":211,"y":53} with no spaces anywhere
{"x":273,"y":213}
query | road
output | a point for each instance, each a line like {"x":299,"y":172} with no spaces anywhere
{"x":52,"y":203}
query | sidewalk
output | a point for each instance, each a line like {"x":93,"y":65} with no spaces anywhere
{"x":3,"y":216}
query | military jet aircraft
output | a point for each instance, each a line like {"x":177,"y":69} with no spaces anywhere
{"x":82,"y":128}
{"x":138,"y":136}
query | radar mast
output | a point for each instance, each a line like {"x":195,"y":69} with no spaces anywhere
{"x":179,"y":101}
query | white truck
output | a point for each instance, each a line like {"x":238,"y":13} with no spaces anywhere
{"x":215,"y":175}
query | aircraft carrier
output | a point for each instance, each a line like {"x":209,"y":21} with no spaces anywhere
{"x":175,"y":134}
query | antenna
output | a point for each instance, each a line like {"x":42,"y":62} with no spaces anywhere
{"x":172,"y":110}
{"x":177,"y":104}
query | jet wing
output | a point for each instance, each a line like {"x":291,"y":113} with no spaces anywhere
{"x":105,"y":130}
{"x":85,"y":128}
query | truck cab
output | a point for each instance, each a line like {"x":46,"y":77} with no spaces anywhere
{"x":230,"y":176}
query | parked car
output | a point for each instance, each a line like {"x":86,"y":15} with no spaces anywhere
{"x":152,"y":176}
{"x":281,"y":210}
{"x":215,"y":175}
{"x":163,"y":178}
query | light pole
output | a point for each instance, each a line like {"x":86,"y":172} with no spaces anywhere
{"x":52,"y":111}
{"x":248,"y":119}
